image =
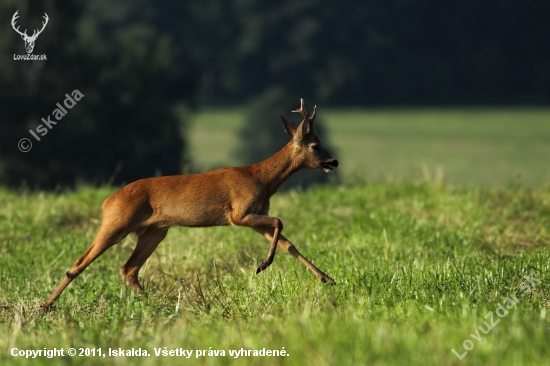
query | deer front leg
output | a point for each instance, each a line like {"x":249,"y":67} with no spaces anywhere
{"x":259,"y":222}
{"x":290,"y":248}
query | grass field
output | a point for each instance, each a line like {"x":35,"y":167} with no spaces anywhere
{"x":418,"y":268}
{"x":461,"y":146}
{"x":423,"y":266}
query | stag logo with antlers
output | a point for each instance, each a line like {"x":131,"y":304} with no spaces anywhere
{"x":29,"y":40}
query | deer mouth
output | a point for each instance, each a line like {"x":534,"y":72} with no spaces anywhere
{"x":328,"y":166}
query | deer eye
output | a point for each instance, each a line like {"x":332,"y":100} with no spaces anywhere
{"x":315,"y":147}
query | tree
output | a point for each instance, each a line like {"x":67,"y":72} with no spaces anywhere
{"x":124,"y":128}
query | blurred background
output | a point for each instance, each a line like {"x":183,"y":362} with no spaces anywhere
{"x":454,"y":91}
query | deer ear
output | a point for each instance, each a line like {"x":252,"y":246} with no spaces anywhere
{"x":302,"y":130}
{"x":309,"y":125}
{"x":290,"y":127}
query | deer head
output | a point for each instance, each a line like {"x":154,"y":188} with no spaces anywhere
{"x":29,"y":40}
{"x":307,"y":148}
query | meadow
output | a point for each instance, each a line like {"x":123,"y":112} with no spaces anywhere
{"x":465,"y":146}
{"x":434,"y":266}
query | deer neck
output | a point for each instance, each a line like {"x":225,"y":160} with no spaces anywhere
{"x":274,"y":171}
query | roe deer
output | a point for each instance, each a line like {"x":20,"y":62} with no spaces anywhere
{"x":228,"y":196}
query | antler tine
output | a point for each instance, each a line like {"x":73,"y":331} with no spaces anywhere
{"x":46,"y":18}
{"x":13,"y":19}
{"x":312,"y":117}
{"x":302,"y":109}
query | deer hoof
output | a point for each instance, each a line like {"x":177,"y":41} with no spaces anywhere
{"x":46,"y":307}
{"x":263,"y":265}
{"x":327,"y":279}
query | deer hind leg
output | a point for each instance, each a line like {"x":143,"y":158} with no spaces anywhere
{"x":287,"y":246}
{"x":146,"y":245}
{"x":119,"y":220}
{"x":106,"y":238}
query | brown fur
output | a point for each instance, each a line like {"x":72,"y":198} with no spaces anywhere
{"x":229,"y":196}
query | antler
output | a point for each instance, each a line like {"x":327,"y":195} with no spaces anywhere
{"x":302,"y":109}
{"x":46,"y":18}
{"x":312,"y":117}
{"x":304,"y":113}
{"x":35,"y":33}
{"x":15,"y":16}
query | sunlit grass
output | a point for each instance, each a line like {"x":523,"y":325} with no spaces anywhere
{"x":464,"y":146}
{"x":418,"y":266}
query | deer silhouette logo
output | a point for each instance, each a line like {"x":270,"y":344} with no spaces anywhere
{"x":29,"y":40}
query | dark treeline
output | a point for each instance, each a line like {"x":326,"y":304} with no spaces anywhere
{"x":366,"y":52}
{"x":140,"y":63}
{"x":126,"y":125}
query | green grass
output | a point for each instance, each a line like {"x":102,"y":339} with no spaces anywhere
{"x":496,"y":146}
{"x":418,"y":267}
{"x":213,"y":138}
{"x":455,"y":213}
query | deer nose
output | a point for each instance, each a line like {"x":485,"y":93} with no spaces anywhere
{"x":334,"y":163}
